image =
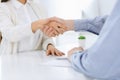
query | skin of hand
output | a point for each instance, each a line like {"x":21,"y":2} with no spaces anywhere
{"x":66,"y":24}
{"x":39,"y":24}
{"x":55,"y":27}
{"x":51,"y":50}
{"x":58,"y":22}
{"x":72,"y":51}
{"x":59,"y":28}
{"x":52,"y":26}
{"x":49,"y":31}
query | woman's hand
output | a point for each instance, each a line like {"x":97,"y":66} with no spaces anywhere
{"x":51,"y":50}
{"x":72,"y":51}
{"x":39,"y":24}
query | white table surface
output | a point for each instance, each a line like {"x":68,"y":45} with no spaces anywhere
{"x":28,"y":66}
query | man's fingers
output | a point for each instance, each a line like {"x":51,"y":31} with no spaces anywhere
{"x":45,"y":29}
{"x":49,"y":31}
{"x":61,"y":31}
{"x":60,"y":28}
{"x":80,"y":48}
{"x":75,"y":49}
{"x":51,"y":34}
{"x":56,"y":33}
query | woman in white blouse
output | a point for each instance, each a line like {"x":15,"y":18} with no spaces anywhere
{"x":21,"y":24}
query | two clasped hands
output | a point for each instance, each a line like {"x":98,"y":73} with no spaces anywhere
{"x":53,"y":27}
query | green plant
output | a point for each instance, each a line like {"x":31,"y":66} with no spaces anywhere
{"x":81,"y":37}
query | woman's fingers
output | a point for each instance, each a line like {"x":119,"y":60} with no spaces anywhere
{"x":58,"y":53}
{"x":48,"y":52}
{"x":53,"y":51}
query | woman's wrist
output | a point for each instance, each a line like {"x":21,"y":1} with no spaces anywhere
{"x":35,"y":26}
{"x":49,"y":45}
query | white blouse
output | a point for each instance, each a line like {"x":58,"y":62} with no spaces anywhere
{"x":15,"y":25}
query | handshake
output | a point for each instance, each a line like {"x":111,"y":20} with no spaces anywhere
{"x":51,"y":27}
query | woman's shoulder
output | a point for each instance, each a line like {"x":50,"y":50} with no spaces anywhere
{"x":4,"y":7}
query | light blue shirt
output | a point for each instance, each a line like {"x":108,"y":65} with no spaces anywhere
{"x":102,"y":60}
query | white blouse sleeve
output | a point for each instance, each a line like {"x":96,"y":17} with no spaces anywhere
{"x":46,"y":41}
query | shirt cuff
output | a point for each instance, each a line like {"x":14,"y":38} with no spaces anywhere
{"x":29,"y":29}
{"x":80,"y":24}
{"x":45,"y":44}
{"x":74,"y":55}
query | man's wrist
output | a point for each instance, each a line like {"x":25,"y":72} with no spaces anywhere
{"x":69,"y":25}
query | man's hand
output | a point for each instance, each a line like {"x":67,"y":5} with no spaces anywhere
{"x":72,"y":51}
{"x":51,"y":50}
{"x":58,"y":23}
{"x":55,"y":27}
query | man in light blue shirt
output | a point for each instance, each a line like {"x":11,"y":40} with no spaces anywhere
{"x":102,"y":61}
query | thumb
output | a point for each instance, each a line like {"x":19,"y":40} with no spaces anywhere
{"x":61,"y":21}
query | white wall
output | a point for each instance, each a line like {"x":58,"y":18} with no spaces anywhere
{"x":98,"y":8}
{"x":71,"y":9}
{"x":67,"y":9}
{"x":106,"y":6}
{"x":91,"y":10}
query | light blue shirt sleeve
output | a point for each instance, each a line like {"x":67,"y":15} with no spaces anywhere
{"x":92,"y":25}
{"x":102,"y":60}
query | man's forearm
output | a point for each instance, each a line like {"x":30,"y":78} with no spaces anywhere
{"x":69,"y":24}
{"x":92,"y":25}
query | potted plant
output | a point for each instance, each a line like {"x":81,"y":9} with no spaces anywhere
{"x":82,"y":40}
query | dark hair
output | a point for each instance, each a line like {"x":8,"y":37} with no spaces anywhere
{"x":4,"y":0}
